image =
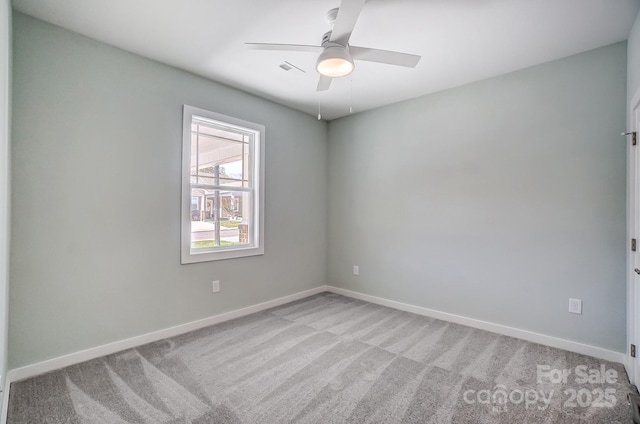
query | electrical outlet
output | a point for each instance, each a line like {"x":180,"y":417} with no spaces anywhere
{"x":575,"y":306}
{"x":356,"y":270}
{"x":216,"y":286}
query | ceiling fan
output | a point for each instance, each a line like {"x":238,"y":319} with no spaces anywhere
{"x":336,"y":55}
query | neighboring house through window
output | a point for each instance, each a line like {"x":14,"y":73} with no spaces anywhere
{"x":222,"y":187}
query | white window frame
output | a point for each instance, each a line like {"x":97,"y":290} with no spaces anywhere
{"x":256,"y":227}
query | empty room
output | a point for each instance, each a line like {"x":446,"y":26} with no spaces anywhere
{"x":330,"y":211}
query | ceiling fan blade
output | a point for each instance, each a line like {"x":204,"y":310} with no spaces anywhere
{"x":384,"y":56}
{"x":346,"y":20}
{"x":324,"y":83}
{"x":285,"y":47}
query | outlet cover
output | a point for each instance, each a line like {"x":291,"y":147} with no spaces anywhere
{"x":216,"y":286}
{"x":356,"y":270}
{"x":575,"y":306}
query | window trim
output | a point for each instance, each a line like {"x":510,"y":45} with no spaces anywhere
{"x":257,"y":214}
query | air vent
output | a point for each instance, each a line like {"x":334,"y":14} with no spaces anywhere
{"x":287,"y":66}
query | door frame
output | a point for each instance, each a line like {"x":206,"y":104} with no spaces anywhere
{"x":633,"y":231}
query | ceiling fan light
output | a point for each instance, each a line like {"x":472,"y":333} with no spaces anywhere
{"x":335,"y":62}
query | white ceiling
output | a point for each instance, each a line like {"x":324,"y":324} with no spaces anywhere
{"x":460,"y":41}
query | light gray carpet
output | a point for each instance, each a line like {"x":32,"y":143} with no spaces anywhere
{"x":326,"y":359}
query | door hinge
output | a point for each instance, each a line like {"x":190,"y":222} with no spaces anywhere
{"x":633,"y":351}
{"x":633,"y":135}
{"x":633,"y":245}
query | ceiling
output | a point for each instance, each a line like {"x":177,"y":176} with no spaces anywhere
{"x":460,"y":41}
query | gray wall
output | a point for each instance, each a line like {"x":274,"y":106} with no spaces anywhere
{"x":5,"y":73}
{"x":497,"y":201}
{"x":96,"y":198}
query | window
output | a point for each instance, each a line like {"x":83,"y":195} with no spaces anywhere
{"x":222,"y":187}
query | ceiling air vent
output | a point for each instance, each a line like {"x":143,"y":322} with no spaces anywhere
{"x":287,"y":66}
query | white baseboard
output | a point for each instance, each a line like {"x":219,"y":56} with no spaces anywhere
{"x":597,"y":352}
{"x":107,"y":349}
{"x":22,"y":373}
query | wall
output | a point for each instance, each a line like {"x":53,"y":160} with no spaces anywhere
{"x":498,"y":200}
{"x":5,"y":74}
{"x":96,"y":198}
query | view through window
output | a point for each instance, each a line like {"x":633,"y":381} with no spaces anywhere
{"x":223,"y":179}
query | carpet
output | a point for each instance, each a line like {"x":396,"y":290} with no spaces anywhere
{"x":330,"y":359}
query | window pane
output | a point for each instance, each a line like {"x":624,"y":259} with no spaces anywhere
{"x":219,"y":156}
{"x":220,"y":218}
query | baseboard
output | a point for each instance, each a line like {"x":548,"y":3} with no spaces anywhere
{"x":28,"y":371}
{"x":32,"y":370}
{"x":597,"y":352}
